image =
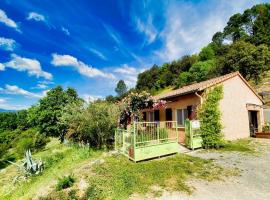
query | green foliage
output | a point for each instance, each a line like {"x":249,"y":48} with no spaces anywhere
{"x":250,"y":60}
{"x":30,"y":139}
{"x":202,"y":70}
{"x":93,"y":125}
{"x":8,"y":121}
{"x":118,"y":178}
{"x":207,"y":53}
{"x":46,"y":115}
{"x":253,"y":25}
{"x":65,"y":182}
{"x":266,"y":128}
{"x":209,"y":116}
{"x":121,"y":88}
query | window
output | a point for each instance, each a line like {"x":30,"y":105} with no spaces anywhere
{"x":181,"y":116}
{"x":151,"y":116}
{"x":144,"y":116}
{"x":156,"y":115}
{"x":168,"y":112}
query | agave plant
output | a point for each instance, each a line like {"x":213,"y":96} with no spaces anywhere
{"x":28,"y":167}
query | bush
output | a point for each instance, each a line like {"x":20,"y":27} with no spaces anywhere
{"x":93,"y":125}
{"x":266,"y":128}
{"x":209,"y":116}
{"x":65,"y":182}
{"x":30,"y":139}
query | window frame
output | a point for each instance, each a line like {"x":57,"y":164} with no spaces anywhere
{"x":183,"y":117}
{"x":149,"y":116}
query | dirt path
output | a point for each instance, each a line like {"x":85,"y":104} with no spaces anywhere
{"x":253,"y":183}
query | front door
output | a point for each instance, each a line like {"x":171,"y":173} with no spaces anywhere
{"x":253,"y":122}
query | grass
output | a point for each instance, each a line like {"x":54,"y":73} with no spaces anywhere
{"x":118,"y":178}
{"x":60,"y":160}
{"x":244,"y":146}
{"x":241,"y":145}
{"x":115,"y":178}
{"x":164,"y":90}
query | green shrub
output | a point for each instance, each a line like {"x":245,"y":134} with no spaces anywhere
{"x":94,"y":125}
{"x":266,"y":128}
{"x":30,"y":139}
{"x":65,"y":182}
{"x":209,"y":116}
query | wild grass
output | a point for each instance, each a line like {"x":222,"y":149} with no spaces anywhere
{"x":60,"y":160}
{"x":241,"y":145}
{"x":118,"y":178}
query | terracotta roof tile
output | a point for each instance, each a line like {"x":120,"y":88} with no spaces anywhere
{"x":201,"y":86}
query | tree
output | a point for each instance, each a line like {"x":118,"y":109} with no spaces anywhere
{"x":207,"y":53}
{"x":47,"y":113}
{"x":93,"y":125}
{"x":121,"y":88}
{"x":251,"y":61}
{"x":202,"y":70}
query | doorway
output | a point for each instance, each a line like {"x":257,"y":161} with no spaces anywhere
{"x":253,"y":122}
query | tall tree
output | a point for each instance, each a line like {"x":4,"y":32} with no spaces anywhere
{"x":46,"y":115}
{"x":250,"y":60}
{"x":121,"y":88}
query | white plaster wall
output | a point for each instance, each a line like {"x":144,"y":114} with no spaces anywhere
{"x":233,"y":108}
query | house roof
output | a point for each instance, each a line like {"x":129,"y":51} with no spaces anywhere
{"x":196,"y":87}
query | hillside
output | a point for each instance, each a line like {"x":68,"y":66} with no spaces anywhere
{"x":243,"y":45}
{"x":263,"y":88}
{"x":104,"y":175}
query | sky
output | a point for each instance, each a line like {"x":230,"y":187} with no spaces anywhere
{"x":91,"y":45}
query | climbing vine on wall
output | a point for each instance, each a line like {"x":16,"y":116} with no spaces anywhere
{"x":210,"y":118}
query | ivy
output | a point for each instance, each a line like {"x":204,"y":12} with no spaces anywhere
{"x":210,"y":116}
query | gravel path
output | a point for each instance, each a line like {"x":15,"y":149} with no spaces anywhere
{"x":253,"y":183}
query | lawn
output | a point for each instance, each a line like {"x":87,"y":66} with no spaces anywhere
{"x":118,"y":178}
{"x":115,"y":177}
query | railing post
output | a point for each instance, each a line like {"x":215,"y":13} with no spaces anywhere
{"x":158,"y":127}
{"x":134,"y":137}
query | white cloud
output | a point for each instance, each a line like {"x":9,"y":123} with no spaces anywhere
{"x":35,"y":16}
{"x":7,"y":21}
{"x":7,"y":44}
{"x":41,"y":86}
{"x":31,"y":66}
{"x":15,"y":90}
{"x":2,"y":101}
{"x":125,"y":69}
{"x":98,"y":53}
{"x":91,"y":98}
{"x":82,"y":68}
{"x":2,"y":67}
{"x":147,"y":28}
{"x":65,"y":30}
{"x":128,"y":74}
{"x":188,"y":30}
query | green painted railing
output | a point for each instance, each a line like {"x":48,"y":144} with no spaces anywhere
{"x":193,"y":139}
{"x":144,"y":140}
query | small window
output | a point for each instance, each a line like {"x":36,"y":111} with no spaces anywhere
{"x":151,"y":116}
{"x":181,"y":116}
{"x":168,"y":112}
{"x":156,"y":115}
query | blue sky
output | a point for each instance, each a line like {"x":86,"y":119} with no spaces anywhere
{"x":90,"y":45}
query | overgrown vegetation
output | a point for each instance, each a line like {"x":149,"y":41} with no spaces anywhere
{"x":59,"y":160}
{"x":119,"y":178}
{"x":209,"y":116}
{"x":65,"y":182}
